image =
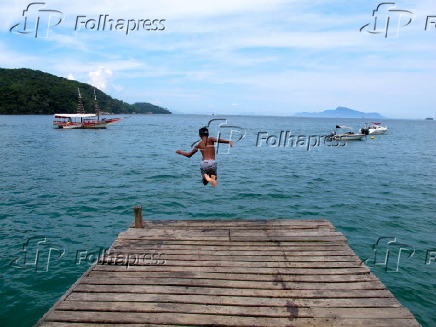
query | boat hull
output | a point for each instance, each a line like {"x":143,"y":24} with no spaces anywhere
{"x":94,"y":126}
{"x":111,"y":120}
{"x":373,"y":130}
{"x":347,"y":137}
{"x":66,"y":126}
{"x":80,"y":126}
{"x":378,"y":131}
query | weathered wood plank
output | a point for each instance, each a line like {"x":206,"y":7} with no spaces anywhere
{"x":233,"y":238}
{"x":214,"y":320}
{"x":273,"y":285}
{"x":284,"y":238}
{"x":227,"y":245}
{"x":265,"y":224}
{"x":256,"y":270}
{"x":126,"y":273}
{"x":241,"y":252}
{"x":135,"y":232}
{"x":229,"y":263}
{"x":260,"y":311}
{"x":166,"y":234}
{"x":267,"y":258}
{"x":388,"y":302}
{"x":242,"y":227}
{"x":164,"y":289}
{"x":244,"y":222}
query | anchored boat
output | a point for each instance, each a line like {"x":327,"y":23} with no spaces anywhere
{"x":81,"y":119}
{"x":73,"y":121}
{"x":373,"y":129}
{"x":347,"y":136}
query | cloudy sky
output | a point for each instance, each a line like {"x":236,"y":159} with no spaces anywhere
{"x":268,"y":57}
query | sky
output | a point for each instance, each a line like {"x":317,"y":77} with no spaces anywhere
{"x":262,"y":57}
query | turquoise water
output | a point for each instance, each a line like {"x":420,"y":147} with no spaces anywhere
{"x":73,"y":191}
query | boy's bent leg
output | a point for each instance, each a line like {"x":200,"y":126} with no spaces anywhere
{"x":208,"y":172}
{"x":214,"y":181}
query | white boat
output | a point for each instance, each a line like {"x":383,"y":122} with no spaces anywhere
{"x":82,"y":120}
{"x":348,"y":136}
{"x":373,"y":129}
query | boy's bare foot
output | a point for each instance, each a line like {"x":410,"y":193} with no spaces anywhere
{"x":206,"y":177}
{"x":214,"y":181}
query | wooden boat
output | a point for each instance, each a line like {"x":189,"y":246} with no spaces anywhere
{"x":74,"y":121}
{"x":81,"y":119}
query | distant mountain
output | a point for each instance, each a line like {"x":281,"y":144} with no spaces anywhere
{"x":27,"y":91}
{"x":340,"y":112}
{"x":148,"y":108}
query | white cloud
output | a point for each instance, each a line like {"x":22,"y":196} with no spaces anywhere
{"x":100,"y":78}
{"x":70,"y":77}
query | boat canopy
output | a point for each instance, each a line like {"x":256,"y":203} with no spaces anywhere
{"x":74,"y":115}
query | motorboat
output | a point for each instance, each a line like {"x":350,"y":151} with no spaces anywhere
{"x":373,"y":129}
{"x":349,"y":136}
{"x":346,"y":136}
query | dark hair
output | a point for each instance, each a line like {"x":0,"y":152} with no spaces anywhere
{"x":203,"y":131}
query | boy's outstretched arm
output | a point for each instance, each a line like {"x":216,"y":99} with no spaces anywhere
{"x":224,"y":141}
{"x":187,"y":154}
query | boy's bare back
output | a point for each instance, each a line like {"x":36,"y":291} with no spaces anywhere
{"x":207,"y":148}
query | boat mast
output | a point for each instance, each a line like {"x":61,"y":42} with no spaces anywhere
{"x":80,"y":109}
{"x":97,"y":109}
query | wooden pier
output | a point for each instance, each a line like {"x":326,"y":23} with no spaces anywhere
{"x":229,"y":273}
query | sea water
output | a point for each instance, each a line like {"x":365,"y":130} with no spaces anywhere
{"x":66,"y":194}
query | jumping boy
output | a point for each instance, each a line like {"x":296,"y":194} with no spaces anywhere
{"x":208,"y":166}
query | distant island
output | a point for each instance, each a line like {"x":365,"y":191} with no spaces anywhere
{"x":32,"y":92}
{"x":340,"y":112}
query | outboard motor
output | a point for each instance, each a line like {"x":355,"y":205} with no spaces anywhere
{"x":330,"y":136}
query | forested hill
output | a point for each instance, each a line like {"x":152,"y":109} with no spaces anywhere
{"x":27,"y":91}
{"x":147,"y":108}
